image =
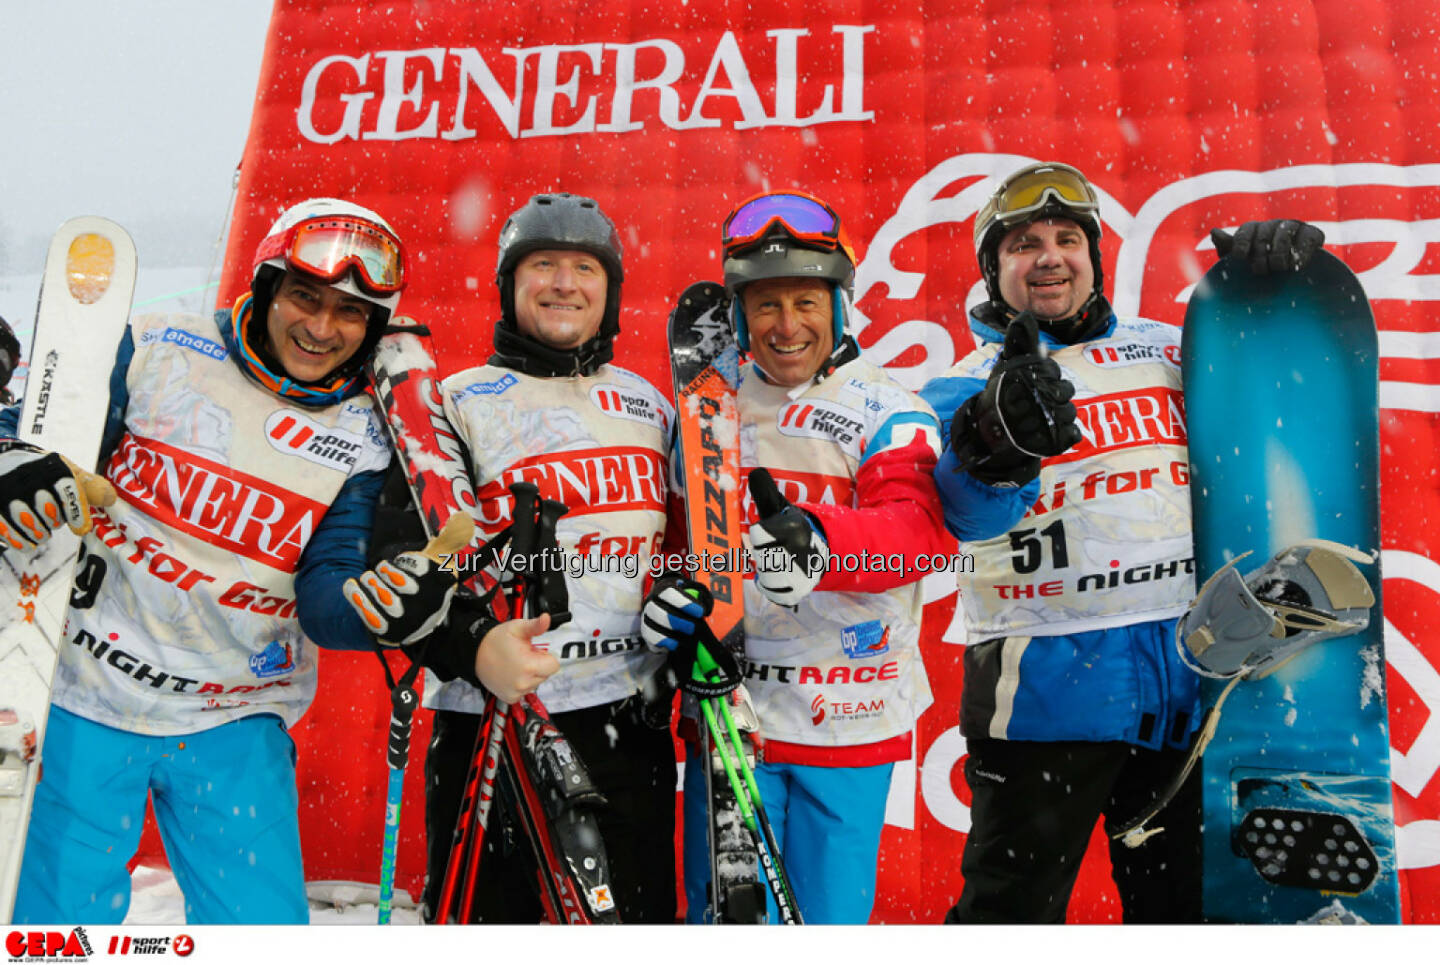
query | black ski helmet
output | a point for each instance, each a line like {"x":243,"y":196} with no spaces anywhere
{"x":1038,"y":191}
{"x":9,"y":358}
{"x":565,"y":222}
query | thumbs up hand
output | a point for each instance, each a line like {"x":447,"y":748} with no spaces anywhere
{"x":1023,"y":414}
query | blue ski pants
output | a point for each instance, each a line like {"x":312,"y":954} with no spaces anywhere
{"x":225,"y":801}
{"x":827,"y":822}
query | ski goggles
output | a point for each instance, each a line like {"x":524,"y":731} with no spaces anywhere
{"x":1026,"y":193}
{"x":805,"y":218}
{"x":329,"y":247}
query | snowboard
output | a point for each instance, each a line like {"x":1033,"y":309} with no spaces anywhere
{"x":705,"y":368}
{"x":84,"y":307}
{"x":1281,"y":404}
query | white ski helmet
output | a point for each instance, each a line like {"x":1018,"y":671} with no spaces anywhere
{"x":348,"y":246}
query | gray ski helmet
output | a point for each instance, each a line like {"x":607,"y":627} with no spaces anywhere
{"x":1046,"y":189}
{"x":780,"y":255}
{"x":565,"y":222}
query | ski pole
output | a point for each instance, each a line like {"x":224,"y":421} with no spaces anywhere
{"x":742,"y":784}
{"x":457,"y":532}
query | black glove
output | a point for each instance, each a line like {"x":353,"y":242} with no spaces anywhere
{"x":38,"y":495}
{"x":1023,"y":414}
{"x":791,"y":554}
{"x":1268,"y":246}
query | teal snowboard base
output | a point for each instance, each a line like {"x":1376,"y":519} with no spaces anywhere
{"x":1281,"y":404}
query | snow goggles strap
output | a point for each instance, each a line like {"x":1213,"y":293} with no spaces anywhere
{"x":1027,"y":193}
{"x":329,"y":392}
{"x":329,"y":247}
{"x":805,"y":218}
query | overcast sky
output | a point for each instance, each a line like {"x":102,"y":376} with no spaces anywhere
{"x":134,"y":110}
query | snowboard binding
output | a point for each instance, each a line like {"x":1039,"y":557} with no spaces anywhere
{"x":1249,"y":626}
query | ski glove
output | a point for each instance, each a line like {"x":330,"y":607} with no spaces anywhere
{"x":38,"y":493}
{"x":789,"y":547}
{"x":1270,"y":245}
{"x":403,"y":598}
{"x":1024,"y":413}
{"x":673,"y":613}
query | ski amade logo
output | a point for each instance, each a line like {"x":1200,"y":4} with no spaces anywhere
{"x":181,"y":945}
{"x":48,"y":946}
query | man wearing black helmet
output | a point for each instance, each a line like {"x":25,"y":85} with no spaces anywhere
{"x":9,"y":359}
{"x":832,"y":618}
{"x":1075,"y":702}
{"x":549,"y":408}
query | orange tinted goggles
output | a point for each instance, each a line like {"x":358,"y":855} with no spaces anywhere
{"x":329,"y":247}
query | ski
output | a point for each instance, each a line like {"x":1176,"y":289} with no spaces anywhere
{"x":519,"y":745}
{"x":84,"y":307}
{"x":705,"y":369}
{"x":1280,"y":377}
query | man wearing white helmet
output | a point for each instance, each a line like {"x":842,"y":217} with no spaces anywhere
{"x":1075,"y":701}
{"x":247,"y":458}
{"x":832,"y":617}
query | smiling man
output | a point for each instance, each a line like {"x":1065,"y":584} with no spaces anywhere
{"x":248,"y":458}
{"x":548,"y":407}
{"x":1075,"y":702}
{"x":852,"y":453}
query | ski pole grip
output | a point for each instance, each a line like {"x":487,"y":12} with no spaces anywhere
{"x":94,"y":491}
{"x":548,"y":590}
{"x":454,"y":536}
{"x":765,"y":493}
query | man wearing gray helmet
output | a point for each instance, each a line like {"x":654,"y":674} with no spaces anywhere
{"x":549,"y":408}
{"x":1075,"y":702}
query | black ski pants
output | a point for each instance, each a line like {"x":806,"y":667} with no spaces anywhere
{"x":1034,"y":805}
{"x":633,"y":766}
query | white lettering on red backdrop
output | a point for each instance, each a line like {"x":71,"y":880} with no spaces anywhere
{"x":571,"y":85}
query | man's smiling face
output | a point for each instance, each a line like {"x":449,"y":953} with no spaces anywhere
{"x":791,"y":324}
{"x":560,"y":297}
{"x":1045,"y":268}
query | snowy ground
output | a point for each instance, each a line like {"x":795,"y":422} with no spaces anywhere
{"x":157,"y":901}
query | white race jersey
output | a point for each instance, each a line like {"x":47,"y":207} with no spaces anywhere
{"x":843,"y":669}
{"x":183,"y":616}
{"x":1108,"y":542}
{"x":599,"y":444}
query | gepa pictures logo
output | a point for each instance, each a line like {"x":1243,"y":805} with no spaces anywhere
{"x":48,"y":946}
